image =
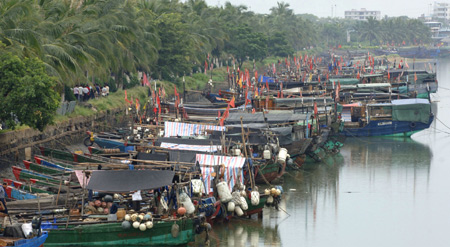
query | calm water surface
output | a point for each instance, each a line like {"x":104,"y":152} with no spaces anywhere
{"x":379,"y":192}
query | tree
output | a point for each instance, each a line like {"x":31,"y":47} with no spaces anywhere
{"x":278,"y":46}
{"x":27,"y":93}
{"x":245,"y":43}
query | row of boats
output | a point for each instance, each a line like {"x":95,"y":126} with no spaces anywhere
{"x":196,"y":163}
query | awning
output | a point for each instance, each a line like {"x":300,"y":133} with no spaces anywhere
{"x":129,"y":180}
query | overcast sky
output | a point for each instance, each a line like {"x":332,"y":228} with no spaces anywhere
{"x":322,"y":8}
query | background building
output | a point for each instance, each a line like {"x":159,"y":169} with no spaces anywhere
{"x":441,"y":11}
{"x":362,"y":14}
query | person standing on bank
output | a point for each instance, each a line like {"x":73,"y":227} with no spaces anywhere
{"x":136,"y":198}
{"x":3,"y":208}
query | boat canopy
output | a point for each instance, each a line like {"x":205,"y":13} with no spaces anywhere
{"x":258,"y":117}
{"x":129,"y":180}
{"x":345,"y":81}
{"x":414,"y":110}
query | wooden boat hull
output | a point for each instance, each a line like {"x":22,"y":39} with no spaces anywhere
{"x":68,"y":156}
{"x":42,"y":169}
{"x":112,"y":234}
{"x":268,"y":173}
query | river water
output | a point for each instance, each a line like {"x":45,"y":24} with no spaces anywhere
{"x":378,"y":192}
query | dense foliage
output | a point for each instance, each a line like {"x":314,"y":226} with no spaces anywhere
{"x":84,"y":40}
{"x":27,"y":93}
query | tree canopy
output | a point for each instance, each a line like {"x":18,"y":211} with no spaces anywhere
{"x":27,"y":92}
{"x":79,"y":40}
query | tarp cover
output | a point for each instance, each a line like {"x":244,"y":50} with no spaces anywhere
{"x":129,"y":180}
{"x":345,"y":81}
{"x":258,"y":117}
{"x":185,"y":129}
{"x":200,"y":148}
{"x":233,"y":165}
{"x":417,"y":110}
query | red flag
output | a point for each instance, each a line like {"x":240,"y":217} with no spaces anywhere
{"x":185,"y":115}
{"x":126,"y":98}
{"x":415,"y":76}
{"x":232,"y":103}
{"x":218,"y":114}
{"x":138,"y":105}
{"x":315,"y":108}
{"x":318,"y":78}
{"x":146,"y":80}
{"x":358,"y":76}
{"x":158,"y":102}
{"x":256,"y":75}
{"x":389,"y":75}
{"x":253,"y":111}
{"x":267,"y":85}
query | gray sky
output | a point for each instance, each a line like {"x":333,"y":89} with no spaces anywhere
{"x":322,"y":8}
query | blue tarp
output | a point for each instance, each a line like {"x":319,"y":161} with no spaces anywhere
{"x":265,"y":79}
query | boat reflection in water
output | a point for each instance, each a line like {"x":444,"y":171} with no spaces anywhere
{"x":342,"y":199}
{"x":243,"y":232}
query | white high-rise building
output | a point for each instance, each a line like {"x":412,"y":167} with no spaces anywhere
{"x":441,"y":10}
{"x":362,"y":14}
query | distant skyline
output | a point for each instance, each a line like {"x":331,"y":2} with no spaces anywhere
{"x":323,"y":8}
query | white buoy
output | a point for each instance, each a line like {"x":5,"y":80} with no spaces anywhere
{"x":142,"y":227}
{"x":224,"y":192}
{"x":127,"y":217}
{"x":282,"y":155}
{"x":244,"y":204}
{"x":231,"y":206}
{"x":270,"y":200}
{"x":136,"y":224}
{"x":255,"y":198}
{"x":238,"y":211}
{"x":149,"y":224}
{"x":187,"y":203}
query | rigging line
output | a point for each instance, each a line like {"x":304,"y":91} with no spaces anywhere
{"x":442,"y":123}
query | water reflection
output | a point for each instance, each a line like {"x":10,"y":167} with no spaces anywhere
{"x":243,"y":232}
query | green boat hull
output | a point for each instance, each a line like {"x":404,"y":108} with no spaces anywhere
{"x":112,"y":234}
{"x":67,"y":156}
{"x":46,"y":170}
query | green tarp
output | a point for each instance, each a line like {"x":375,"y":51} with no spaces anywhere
{"x":416,"y":110}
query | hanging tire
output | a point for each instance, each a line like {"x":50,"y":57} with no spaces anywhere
{"x":412,"y":125}
{"x":87,"y":142}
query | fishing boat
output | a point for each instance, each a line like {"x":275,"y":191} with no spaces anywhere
{"x":162,"y":230}
{"x":68,"y":156}
{"x":113,"y":234}
{"x":402,"y":117}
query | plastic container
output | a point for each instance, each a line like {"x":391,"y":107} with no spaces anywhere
{"x":237,"y":152}
{"x":282,"y":155}
{"x":224,"y":192}
{"x":120,"y":213}
{"x":267,"y":155}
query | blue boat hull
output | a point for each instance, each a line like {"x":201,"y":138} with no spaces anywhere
{"x":109,"y":143}
{"x":33,"y":242}
{"x":387,"y":128}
